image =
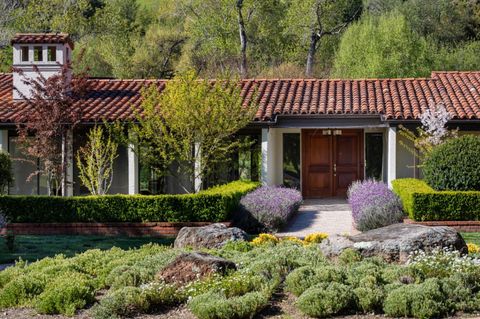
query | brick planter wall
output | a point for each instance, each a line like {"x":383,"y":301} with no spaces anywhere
{"x":154,"y":229}
{"x":461,"y":226}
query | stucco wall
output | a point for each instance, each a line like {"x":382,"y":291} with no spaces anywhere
{"x":407,"y":164}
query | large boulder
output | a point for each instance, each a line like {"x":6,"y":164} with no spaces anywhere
{"x":395,"y":242}
{"x":193,"y":266}
{"x":211,"y":236}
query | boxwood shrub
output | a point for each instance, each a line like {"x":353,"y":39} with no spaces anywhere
{"x":454,"y":165}
{"x":422,"y":203}
{"x":212,"y":205}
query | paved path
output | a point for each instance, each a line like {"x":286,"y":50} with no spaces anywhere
{"x":331,"y":216}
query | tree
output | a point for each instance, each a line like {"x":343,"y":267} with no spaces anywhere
{"x":188,"y":129}
{"x":312,"y":20}
{"x":95,"y":161}
{"x":382,"y":46}
{"x":51,"y":114}
{"x":432,"y":133}
{"x":446,"y":21}
{"x":232,"y":36}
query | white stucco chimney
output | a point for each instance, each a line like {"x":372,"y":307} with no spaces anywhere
{"x":48,"y":51}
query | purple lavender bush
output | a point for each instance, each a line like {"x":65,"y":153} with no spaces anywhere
{"x":374,"y":205}
{"x":268,"y":208}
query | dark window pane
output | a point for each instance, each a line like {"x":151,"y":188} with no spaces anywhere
{"x":24,"y":53}
{"x":373,"y":155}
{"x":52,"y":54}
{"x":37,"y":54}
{"x":291,"y":160}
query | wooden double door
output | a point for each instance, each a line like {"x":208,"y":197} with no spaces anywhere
{"x":331,"y":161}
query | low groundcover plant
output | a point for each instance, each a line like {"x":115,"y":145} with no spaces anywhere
{"x":430,"y":285}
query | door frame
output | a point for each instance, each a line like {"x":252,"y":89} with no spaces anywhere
{"x":333,"y":181}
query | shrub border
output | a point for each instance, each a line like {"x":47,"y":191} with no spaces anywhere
{"x":212,"y":205}
{"x":422,"y":203}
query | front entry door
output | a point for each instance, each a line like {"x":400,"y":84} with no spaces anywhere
{"x":332,"y":160}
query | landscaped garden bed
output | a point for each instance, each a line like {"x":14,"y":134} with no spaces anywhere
{"x":118,"y":283}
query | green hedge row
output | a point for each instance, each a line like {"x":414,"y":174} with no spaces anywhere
{"x":212,"y":205}
{"x":422,"y":203}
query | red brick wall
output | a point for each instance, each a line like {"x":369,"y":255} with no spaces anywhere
{"x":154,"y":229}
{"x":461,"y":226}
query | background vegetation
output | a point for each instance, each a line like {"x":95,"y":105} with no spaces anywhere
{"x":145,"y":38}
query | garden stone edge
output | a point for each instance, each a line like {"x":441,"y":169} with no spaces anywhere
{"x":395,"y":242}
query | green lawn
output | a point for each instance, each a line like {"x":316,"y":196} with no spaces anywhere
{"x":473,"y":238}
{"x":32,"y":248}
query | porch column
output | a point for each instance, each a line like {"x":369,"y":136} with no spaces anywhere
{"x":392,"y":155}
{"x":133,"y":176}
{"x":267,"y":169}
{"x":67,"y":148}
{"x":4,"y":140}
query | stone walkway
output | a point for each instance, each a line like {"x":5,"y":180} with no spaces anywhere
{"x":331,"y":216}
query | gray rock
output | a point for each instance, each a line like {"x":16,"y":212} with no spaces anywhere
{"x":395,"y":242}
{"x":211,"y":236}
{"x":193,"y":266}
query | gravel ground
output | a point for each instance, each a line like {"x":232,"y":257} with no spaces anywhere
{"x":281,"y":307}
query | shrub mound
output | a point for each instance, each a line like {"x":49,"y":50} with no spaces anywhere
{"x":269,"y":207}
{"x":454,"y":165}
{"x":422,"y":203}
{"x":212,"y":205}
{"x":374,"y":205}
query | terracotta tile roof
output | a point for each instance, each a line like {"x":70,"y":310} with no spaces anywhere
{"x":392,"y":99}
{"x":27,"y":38}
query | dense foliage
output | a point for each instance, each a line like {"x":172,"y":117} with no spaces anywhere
{"x":374,"y":205}
{"x":278,"y":38}
{"x":422,"y":203}
{"x":454,"y":165}
{"x":269,"y":207}
{"x":190,"y":116}
{"x":215,"y":204}
{"x":429,"y":285}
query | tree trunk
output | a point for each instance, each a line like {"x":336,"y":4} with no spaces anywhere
{"x":314,"y":38}
{"x":243,"y":40}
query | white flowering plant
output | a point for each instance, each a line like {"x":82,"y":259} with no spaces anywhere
{"x":433,"y":131}
{"x":441,"y":263}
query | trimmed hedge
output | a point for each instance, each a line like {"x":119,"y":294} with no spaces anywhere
{"x":212,"y":205}
{"x":422,"y":203}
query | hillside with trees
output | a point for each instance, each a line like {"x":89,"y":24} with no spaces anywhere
{"x":256,"y":38}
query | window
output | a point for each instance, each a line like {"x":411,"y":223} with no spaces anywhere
{"x":67,"y":55}
{"x":291,"y":160}
{"x":37,"y":54}
{"x":24,"y":54}
{"x":374,"y":155}
{"x":52,"y":54}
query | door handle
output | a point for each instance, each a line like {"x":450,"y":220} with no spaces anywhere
{"x":334,"y":168}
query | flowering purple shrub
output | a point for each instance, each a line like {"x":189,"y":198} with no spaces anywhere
{"x":374,"y":205}
{"x":269,"y":207}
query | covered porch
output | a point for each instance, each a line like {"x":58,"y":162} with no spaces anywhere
{"x":323,"y":156}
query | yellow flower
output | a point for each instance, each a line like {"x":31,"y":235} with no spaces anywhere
{"x":473,"y":249}
{"x":315,"y":238}
{"x":264,"y":239}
